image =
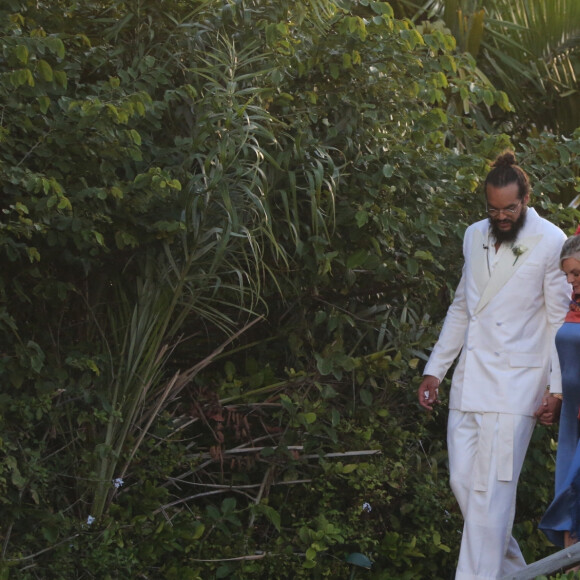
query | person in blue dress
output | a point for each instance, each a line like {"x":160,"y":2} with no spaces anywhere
{"x":561,"y":522}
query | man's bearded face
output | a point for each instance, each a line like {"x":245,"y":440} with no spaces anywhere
{"x":506,"y":211}
{"x":506,"y":229}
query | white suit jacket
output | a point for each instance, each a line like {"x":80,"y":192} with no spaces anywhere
{"x":504,"y":323}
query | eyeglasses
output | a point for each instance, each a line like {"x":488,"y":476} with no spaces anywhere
{"x":494,"y":212}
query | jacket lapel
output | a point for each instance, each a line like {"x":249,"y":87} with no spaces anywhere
{"x":507,"y":265}
{"x":479,"y":268}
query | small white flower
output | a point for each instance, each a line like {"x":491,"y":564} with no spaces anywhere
{"x":518,"y":250}
{"x":118,"y":482}
{"x":367,"y":507}
{"x":90,"y":520}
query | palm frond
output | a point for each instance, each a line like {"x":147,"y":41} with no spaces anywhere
{"x":528,"y":48}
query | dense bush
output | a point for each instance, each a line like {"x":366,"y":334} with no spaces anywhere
{"x":228,"y":234}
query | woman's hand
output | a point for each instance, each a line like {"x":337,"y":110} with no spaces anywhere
{"x":549,"y":411}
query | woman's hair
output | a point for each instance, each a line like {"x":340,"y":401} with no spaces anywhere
{"x":505,"y":171}
{"x":570,"y":249}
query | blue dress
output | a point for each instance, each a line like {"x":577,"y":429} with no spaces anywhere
{"x":564,"y":511}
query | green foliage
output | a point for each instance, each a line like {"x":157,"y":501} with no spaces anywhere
{"x":228,"y":233}
{"x":530,"y":50}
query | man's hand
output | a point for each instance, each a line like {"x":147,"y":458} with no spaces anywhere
{"x":428,"y":392}
{"x":549,"y":411}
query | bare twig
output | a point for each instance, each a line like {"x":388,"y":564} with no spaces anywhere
{"x":237,"y":559}
{"x":263,"y":487}
{"x":7,"y":540}
{"x":238,"y":450}
{"x":206,"y":463}
{"x":245,"y":486}
{"x":42,"y":551}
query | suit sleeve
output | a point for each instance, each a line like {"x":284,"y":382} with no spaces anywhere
{"x":557,"y":293}
{"x":452,"y":334}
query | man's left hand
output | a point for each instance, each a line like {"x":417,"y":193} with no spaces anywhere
{"x":549,"y":411}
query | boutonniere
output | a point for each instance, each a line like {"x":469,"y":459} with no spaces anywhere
{"x":518,"y":250}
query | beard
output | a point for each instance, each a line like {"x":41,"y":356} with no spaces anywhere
{"x":509,"y":235}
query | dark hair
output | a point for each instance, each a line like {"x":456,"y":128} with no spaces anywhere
{"x":505,"y":171}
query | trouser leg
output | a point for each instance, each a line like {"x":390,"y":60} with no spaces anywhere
{"x":488,"y":551}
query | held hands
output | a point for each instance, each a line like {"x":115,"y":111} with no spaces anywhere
{"x":549,"y":411}
{"x":428,"y":392}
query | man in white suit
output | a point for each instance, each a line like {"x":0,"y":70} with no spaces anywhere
{"x":511,"y":300}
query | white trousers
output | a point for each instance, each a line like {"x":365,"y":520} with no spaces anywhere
{"x":486,"y":454}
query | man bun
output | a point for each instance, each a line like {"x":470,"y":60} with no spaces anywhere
{"x":505,"y":171}
{"x":505,"y":159}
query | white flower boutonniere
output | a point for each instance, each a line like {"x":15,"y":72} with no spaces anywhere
{"x":518,"y":251}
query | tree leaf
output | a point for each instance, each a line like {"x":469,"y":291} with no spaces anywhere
{"x":45,"y":70}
